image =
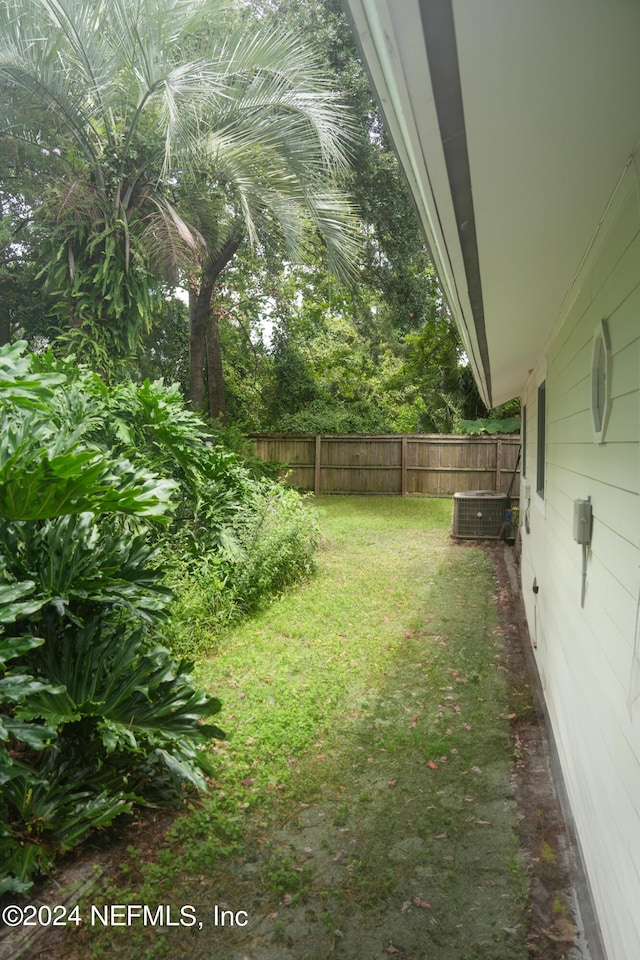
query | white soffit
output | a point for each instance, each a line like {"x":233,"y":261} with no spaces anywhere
{"x":551,"y":111}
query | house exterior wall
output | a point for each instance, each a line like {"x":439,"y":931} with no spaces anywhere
{"x":588,"y":656}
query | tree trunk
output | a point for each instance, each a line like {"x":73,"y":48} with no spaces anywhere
{"x":197,"y":353}
{"x":206,"y":382}
{"x":5,"y":327}
{"x":215,"y":374}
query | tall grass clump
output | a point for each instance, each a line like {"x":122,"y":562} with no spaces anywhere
{"x":225,"y":571}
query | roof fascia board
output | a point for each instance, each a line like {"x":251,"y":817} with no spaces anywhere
{"x":442,"y":54}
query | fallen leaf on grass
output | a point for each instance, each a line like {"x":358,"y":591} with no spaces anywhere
{"x":421,"y":903}
{"x":338,"y":857}
{"x":391,"y":783}
{"x":405,"y":906}
{"x":393,"y":951}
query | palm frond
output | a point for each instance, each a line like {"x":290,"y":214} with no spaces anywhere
{"x":157,"y":96}
{"x":169,"y":243}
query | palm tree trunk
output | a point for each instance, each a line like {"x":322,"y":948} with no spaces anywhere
{"x":206,"y":381}
{"x":215,"y":375}
{"x":197,"y":353}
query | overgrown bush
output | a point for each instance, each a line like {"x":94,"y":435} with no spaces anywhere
{"x":94,"y":713}
{"x":220,"y":574}
{"x":102,"y":491}
{"x":278,"y":540}
{"x":269,"y":545}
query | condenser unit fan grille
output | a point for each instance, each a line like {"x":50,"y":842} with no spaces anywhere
{"x":479,"y":514}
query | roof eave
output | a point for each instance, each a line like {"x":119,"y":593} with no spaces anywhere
{"x":436,"y":166}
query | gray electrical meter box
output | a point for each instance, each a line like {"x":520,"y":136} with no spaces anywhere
{"x":582,"y":521}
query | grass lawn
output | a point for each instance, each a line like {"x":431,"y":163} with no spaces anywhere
{"x":362,"y":806}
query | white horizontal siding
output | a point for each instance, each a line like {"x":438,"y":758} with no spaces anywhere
{"x":617,"y":239}
{"x":587,"y":655}
{"x":620,"y":285}
{"x":618,"y":509}
{"x":624,"y":369}
{"x":612,"y":464}
{"x":587,"y":707}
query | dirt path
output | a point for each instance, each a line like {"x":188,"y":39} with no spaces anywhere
{"x":408,"y":848}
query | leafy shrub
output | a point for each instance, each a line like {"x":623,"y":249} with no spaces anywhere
{"x":329,"y":415}
{"x":102,"y":490}
{"x":278,"y":541}
{"x":269,"y":545}
{"x":491,"y":426}
{"x":94,"y":712}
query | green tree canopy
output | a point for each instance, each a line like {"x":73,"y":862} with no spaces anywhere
{"x":174,"y":132}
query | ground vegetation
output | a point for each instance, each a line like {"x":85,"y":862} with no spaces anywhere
{"x":386,"y":792}
{"x":110,"y":498}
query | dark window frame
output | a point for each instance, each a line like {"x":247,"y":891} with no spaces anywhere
{"x":542,"y":438}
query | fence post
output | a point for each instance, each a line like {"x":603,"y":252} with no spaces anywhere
{"x":317,"y":465}
{"x":404,"y":467}
{"x":498,"y":465}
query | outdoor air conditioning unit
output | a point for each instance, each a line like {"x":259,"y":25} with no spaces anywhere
{"x":479,"y":514}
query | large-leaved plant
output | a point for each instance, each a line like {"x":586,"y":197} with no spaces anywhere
{"x":95,"y":714}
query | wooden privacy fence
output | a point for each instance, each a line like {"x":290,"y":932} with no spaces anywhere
{"x":432,"y":465}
